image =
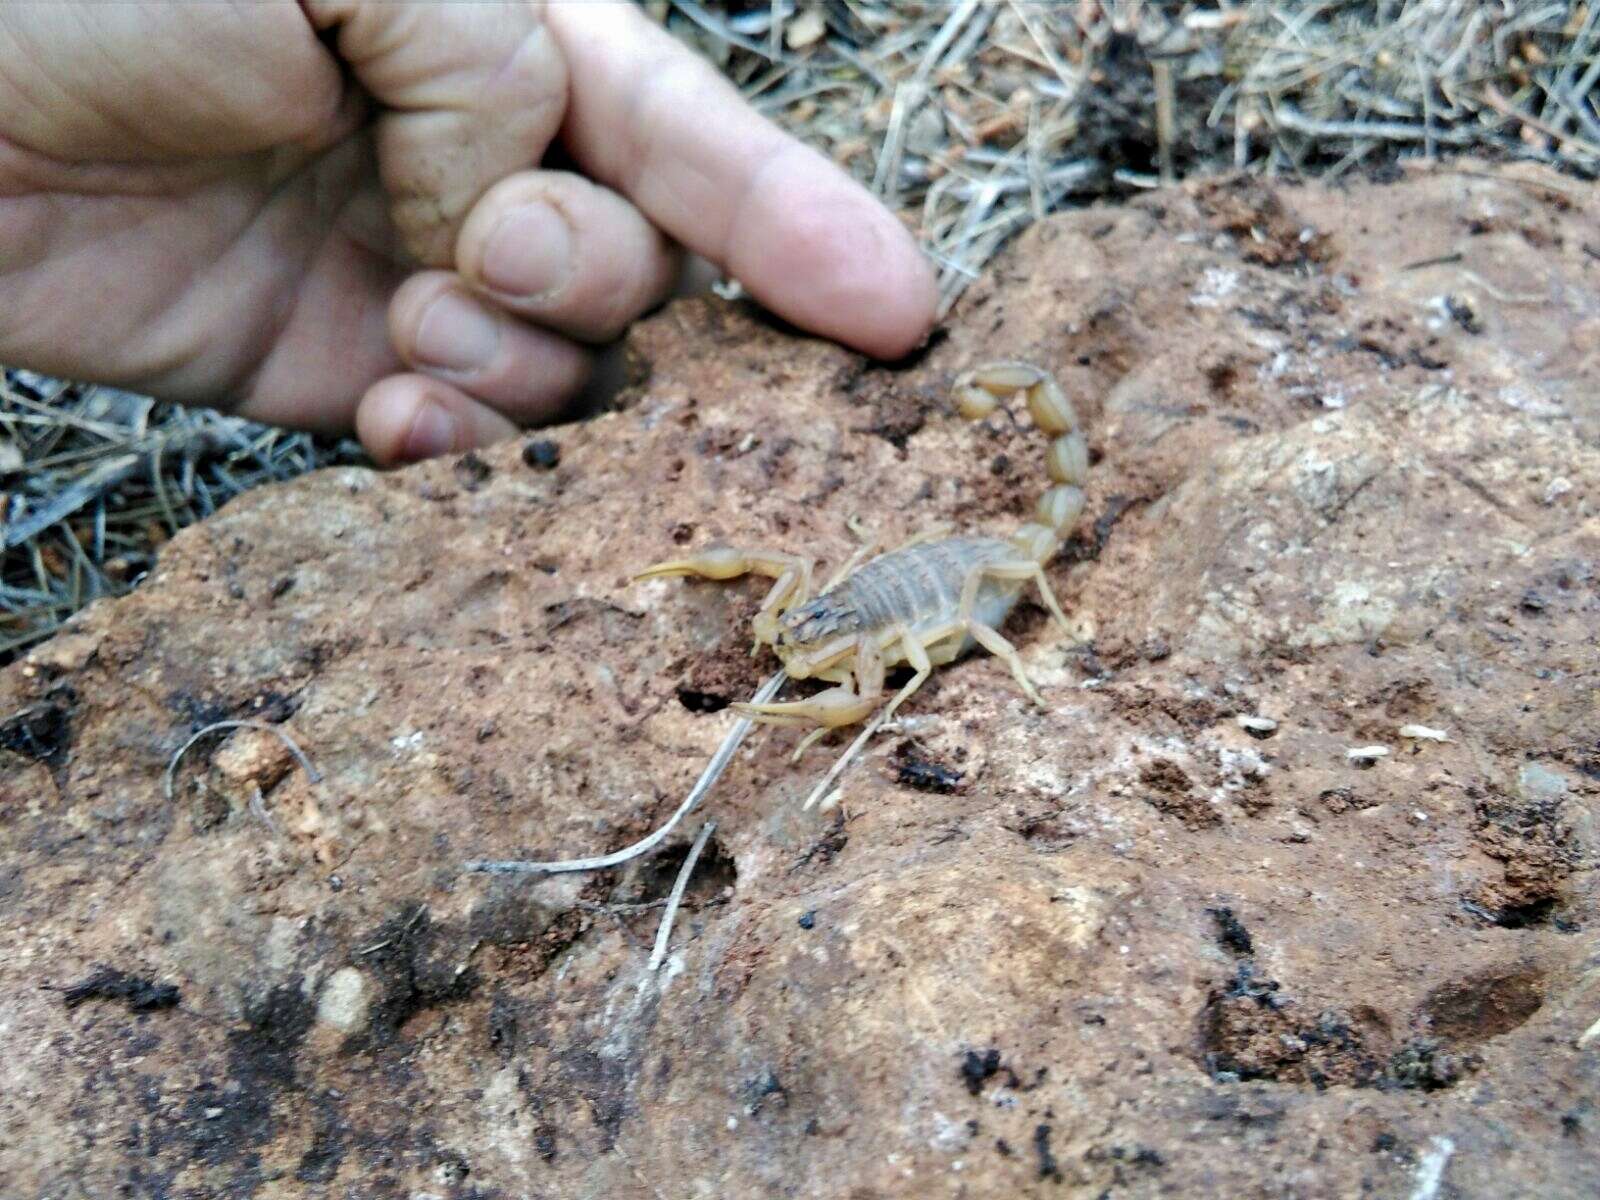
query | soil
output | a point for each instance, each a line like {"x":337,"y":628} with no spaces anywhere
{"x":1346,"y":477}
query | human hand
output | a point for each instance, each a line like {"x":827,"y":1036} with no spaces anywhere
{"x":329,"y":213}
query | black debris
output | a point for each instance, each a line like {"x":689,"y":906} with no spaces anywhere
{"x":42,"y":733}
{"x":977,"y":1069}
{"x":108,"y":983}
{"x":471,"y":472}
{"x":1048,"y":1167}
{"x":913,"y":769}
{"x":1231,"y":933}
{"x":541,"y":453}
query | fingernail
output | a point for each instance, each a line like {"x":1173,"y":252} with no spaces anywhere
{"x":433,"y":432}
{"x":456,"y":335}
{"x":529,"y":254}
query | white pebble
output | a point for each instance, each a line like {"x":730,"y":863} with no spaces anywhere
{"x":1557,"y":488}
{"x":345,"y":1000}
{"x":805,"y":29}
{"x":1256,"y":724}
{"x":1367,"y":752}
{"x":1423,"y":734}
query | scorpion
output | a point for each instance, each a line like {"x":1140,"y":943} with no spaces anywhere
{"x":924,"y":604}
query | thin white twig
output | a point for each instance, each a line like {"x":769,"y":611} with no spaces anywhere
{"x":1430,"y":1168}
{"x":305,"y":763}
{"x":664,"y":933}
{"x":1290,"y":117}
{"x":708,"y":778}
{"x":845,"y":759}
{"x":908,"y":97}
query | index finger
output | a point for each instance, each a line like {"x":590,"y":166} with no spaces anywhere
{"x":652,"y":120}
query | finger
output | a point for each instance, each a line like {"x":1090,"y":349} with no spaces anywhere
{"x":556,"y":248}
{"x":647,"y":117}
{"x":407,"y":418}
{"x":166,"y":82}
{"x":440,"y":328}
{"x":472,"y":92}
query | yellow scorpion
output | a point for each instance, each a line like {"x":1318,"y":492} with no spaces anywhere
{"x":924,"y":604}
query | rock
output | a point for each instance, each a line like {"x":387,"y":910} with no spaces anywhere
{"x":1321,"y":490}
{"x":1538,"y":784}
{"x":346,"y":1000}
{"x":808,"y":27}
{"x":252,"y":758}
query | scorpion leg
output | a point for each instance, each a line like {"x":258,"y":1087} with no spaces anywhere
{"x":936,"y":534}
{"x":989,"y":638}
{"x":915,"y":649}
{"x":810,"y":740}
{"x":996,"y":645}
{"x":1025,"y":570}
{"x":868,"y":547}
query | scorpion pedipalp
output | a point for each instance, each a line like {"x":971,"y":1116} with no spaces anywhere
{"x":792,"y":573}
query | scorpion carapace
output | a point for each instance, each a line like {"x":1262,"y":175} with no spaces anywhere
{"x":923,"y":604}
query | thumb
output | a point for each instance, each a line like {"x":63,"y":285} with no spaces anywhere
{"x":469,"y":93}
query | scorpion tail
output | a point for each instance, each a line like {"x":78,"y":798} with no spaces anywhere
{"x":978,"y":393}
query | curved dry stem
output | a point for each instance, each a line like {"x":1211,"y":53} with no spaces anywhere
{"x":708,"y":778}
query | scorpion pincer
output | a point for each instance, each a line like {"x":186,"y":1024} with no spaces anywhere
{"x":924,"y":604}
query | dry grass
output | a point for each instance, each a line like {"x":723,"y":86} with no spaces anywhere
{"x":93,"y":480}
{"x":976,"y":118}
{"x":972,"y":118}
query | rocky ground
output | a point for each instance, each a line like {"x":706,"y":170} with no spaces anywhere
{"x":1347,"y":479}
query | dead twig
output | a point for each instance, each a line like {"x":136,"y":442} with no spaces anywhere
{"x":305,"y":763}
{"x":708,"y":778}
{"x":679,"y":886}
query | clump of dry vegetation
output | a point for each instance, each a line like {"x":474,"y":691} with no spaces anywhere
{"x":971,"y":118}
{"x":93,"y":480}
{"x":978,"y":117}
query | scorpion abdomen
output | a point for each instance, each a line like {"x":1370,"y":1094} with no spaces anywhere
{"x":917,"y":588}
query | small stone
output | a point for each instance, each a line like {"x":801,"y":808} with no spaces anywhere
{"x":805,"y":29}
{"x":252,"y":758}
{"x":1257,"y":727}
{"x":541,"y":453}
{"x":471,"y":471}
{"x":345,"y":999}
{"x":808,"y":920}
{"x":1423,"y":733}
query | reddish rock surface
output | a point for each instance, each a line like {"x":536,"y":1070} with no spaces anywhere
{"x":1123,"y":947}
